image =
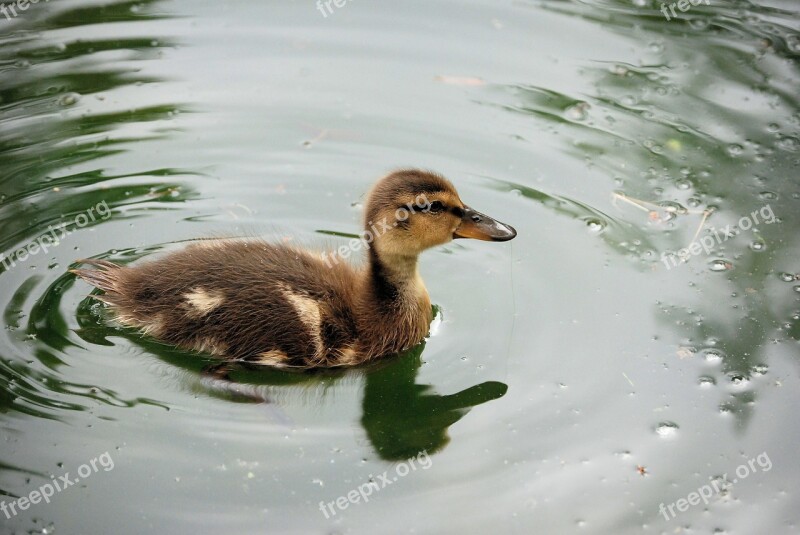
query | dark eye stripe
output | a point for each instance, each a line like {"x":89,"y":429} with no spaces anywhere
{"x":436,"y":206}
{"x":457,"y":211}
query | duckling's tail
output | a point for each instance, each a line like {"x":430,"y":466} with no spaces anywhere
{"x":106,"y":277}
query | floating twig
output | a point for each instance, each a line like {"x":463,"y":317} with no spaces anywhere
{"x":626,"y":377}
{"x":635,"y":202}
{"x":706,"y":213}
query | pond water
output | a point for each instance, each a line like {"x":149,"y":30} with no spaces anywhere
{"x":597,"y":374}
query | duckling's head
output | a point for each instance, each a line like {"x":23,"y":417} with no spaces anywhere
{"x":411,"y":210}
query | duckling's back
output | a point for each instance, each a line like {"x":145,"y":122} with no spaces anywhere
{"x":245,"y":300}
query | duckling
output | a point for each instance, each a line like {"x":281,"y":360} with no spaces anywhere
{"x":283,"y":306}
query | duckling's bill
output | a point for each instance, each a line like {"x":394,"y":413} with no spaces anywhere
{"x":480,"y":226}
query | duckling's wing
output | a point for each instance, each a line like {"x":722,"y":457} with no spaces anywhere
{"x":249,"y":300}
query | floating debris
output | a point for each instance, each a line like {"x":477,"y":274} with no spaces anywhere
{"x":628,"y":379}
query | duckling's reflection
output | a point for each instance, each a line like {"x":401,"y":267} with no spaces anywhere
{"x":401,"y":417}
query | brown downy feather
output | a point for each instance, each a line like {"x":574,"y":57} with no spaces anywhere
{"x":280,"y":305}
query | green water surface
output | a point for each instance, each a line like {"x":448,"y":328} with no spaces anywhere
{"x":575,"y":379}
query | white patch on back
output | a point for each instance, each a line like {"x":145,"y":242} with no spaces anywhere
{"x":202,"y":302}
{"x":154,"y":326}
{"x":348,"y":356}
{"x":308,"y":311}
{"x":272,"y":358}
{"x":210,"y":346}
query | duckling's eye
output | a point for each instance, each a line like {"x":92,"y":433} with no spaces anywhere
{"x":436,"y":207}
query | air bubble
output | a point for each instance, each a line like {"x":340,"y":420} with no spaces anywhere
{"x":734,"y":149}
{"x":667,"y":429}
{"x":620,"y":70}
{"x":738,"y":380}
{"x":70,"y":99}
{"x":654,"y":147}
{"x":706,"y":381}
{"x":720,"y":265}
{"x":713,"y":356}
{"x":578,"y":112}
{"x":595,"y":226}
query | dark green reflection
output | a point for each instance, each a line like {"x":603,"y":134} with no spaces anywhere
{"x":34,"y":386}
{"x":400,"y":416}
{"x":403,"y":418}
{"x":55,"y":116}
{"x":59,"y":120}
